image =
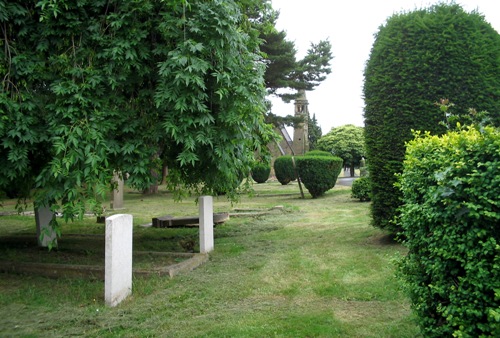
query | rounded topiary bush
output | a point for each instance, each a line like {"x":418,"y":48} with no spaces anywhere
{"x":260,"y":172}
{"x":318,"y":153}
{"x":450,"y":221}
{"x":284,"y":170}
{"x":318,"y":173}
{"x":361,"y":189}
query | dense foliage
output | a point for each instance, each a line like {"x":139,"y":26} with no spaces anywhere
{"x":284,"y":169}
{"x":318,"y":153}
{"x":451,"y":222}
{"x":346,"y":142}
{"x":285,"y":75}
{"x":417,"y":59}
{"x":314,"y":132}
{"x":361,"y":189}
{"x":318,"y":173}
{"x":93,"y":87}
{"x":260,"y":172}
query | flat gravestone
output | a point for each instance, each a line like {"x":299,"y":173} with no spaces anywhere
{"x":118,"y":259}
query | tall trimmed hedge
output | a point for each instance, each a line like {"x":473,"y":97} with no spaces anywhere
{"x":283,"y":169}
{"x":318,"y":173}
{"x":451,"y":224}
{"x":417,"y":59}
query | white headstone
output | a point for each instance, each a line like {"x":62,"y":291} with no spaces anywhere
{"x":117,"y":202}
{"x":118,"y":259}
{"x":44,"y":231}
{"x":206,"y":224}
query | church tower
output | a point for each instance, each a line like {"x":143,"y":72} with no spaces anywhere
{"x":301,"y":131}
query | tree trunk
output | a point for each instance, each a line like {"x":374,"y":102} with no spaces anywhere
{"x":164,"y":175}
{"x":153,"y":188}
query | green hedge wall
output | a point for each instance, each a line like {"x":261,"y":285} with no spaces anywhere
{"x":318,"y":173}
{"x":417,"y":59}
{"x":283,"y":169}
{"x":451,"y":225}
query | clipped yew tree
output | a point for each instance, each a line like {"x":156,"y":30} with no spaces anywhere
{"x":451,"y":224}
{"x":417,"y":59}
{"x":260,"y":172}
{"x":318,"y":173}
{"x":284,"y":169}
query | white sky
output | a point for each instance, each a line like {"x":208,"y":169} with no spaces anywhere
{"x":349,"y":25}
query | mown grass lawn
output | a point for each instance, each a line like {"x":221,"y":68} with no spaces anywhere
{"x":319,"y":269}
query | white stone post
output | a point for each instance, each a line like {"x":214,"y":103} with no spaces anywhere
{"x":118,"y":259}
{"x":206,"y":224}
{"x":44,"y":231}
{"x":117,"y":199}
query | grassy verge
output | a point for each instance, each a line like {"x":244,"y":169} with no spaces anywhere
{"x":316,"y":270}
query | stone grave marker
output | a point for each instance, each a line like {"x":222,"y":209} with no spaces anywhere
{"x":118,"y":259}
{"x":44,"y":232}
{"x":206,"y":224}
{"x":117,"y":199}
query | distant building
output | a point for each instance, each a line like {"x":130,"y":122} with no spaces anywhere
{"x":301,"y":131}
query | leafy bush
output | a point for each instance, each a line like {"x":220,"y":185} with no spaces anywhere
{"x":361,"y":188}
{"x":283,"y":169}
{"x":260,"y":172}
{"x":418,"y":58}
{"x":318,"y":173}
{"x":451,"y":225}
{"x":318,"y":153}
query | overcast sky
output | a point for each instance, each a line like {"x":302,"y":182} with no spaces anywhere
{"x":349,"y":25}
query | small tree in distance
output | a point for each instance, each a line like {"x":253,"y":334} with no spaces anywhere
{"x":346,"y":142}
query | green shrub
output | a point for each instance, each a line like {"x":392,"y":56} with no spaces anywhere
{"x":418,"y":58}
{"x":451,"y":226}
{"x":318,"y":153}
{"x":283,"y":169}
{"x":260,"y":172}
{"x":361,"y":188}
{"x":318,"y":173}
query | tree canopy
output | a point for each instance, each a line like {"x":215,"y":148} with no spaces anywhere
{"x":93,"y":87}
{"x":417,"y":59}
{"x":285,"y":75}
{"x":346,"y":142}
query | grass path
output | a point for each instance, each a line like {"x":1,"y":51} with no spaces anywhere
{"x":318,"y":270}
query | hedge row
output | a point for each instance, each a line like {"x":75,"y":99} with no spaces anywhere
{"x":451,"y":225}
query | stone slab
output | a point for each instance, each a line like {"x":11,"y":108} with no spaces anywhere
{"x":206,"y":207}
{"x":117,"y":198}
{"x":118,"y":259}
{"x":172,"y":222}
{"x":44,"y":232}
